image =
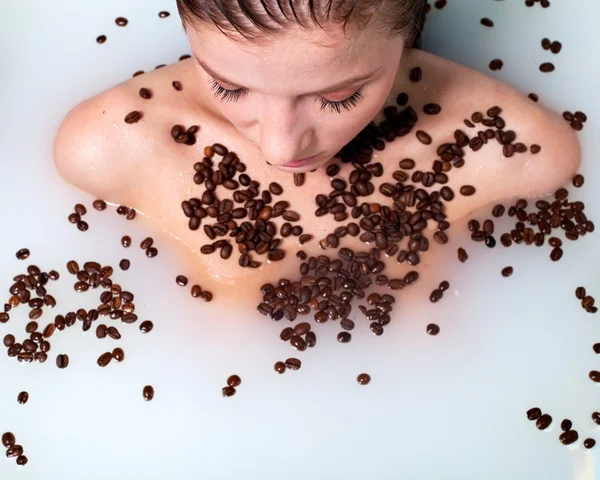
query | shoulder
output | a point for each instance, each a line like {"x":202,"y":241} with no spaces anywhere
{"x":462,"y":91}
{"x":90,"y":141}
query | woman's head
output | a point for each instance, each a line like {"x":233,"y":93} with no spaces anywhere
{"x":300,"y":78}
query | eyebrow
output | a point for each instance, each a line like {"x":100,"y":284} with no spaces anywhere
{"x":333,"y":88}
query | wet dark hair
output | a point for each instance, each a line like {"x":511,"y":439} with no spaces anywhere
{"x":255,"y":18}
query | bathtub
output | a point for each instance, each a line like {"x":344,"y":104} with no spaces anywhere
{"x":445,"y":407}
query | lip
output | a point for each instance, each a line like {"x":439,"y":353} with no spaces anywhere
{"x":302,"y":162}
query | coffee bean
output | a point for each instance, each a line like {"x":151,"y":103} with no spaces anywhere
{"x":101,"y":39}
{"x":433,"y":329}
{"x":543,"y":422}
{"x":486,"y":22}
{"x":276,"y":255}
{"x":533,"y":413}
{"x":118,"y":354}
{"x":151,"y":252}
{"x":121,"y":21}
{"x":496,"y":64}
{"x":507,"y":271}
{"x":298,"y":343}
{"x":344,"y":337}
{"x":9,"y":340}
{"x":133,"y":117}
{"x":101,"y":331}
{"x":299,"y":179}
{"x":376,"y":328}
{"x":8,"y":439}
{"x":279,"y":367}
{"x":432,"y":109}
{"x":596,"y":417}
{"x":293,"y":364}
{"x":14,"y":451}
{"x":310,"y":339}
{"x":82,"y":226}
{"x":547,"y":67}
{"x":347,"y":324}
{"x":22,"y":398}
{"x":423,"y":137}
{"x":535,"y":149}
{"x":416,"y":74}
{"x":594,"y":376}
{"x":556,"y":254}
{"x":407,"y":164}
{"x":567,"y":438}
{"x":104,"y":359}
{"x":62,"y":360}
{"x":228,"y":391}
{"x":163,"y":14}
{"x":589,"y":443}
{"x":566,"y":425}
{"x":146,"y":326}
{"x":113,"y":333}
{"x":148,"y":393}
{"x":177,"y":85}
{"x":467,"y":190}
{"x":578,"y":180}
{"x":275,"y":188}
{"x":234,"y":381}
{"x":363,"y":379}
{"x":436,"y":296}
{"x":462,"y":255}
{"x":302,"y":328}
{"x":23,"y":254}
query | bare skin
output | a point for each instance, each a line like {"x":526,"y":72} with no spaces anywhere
{"x":140,"y":165}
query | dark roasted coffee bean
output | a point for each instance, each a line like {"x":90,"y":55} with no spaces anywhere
{"x":433,"y":329}
{"x":416,"y":74}
{"x":151,"y":252}
{"x":181,"y":280}
{"x":496,"y":64}
{"x":279,"y":367}
{"x":424,"y":137}
{"x":507,"y":271}
{"x":298,"y":343}
{"x":101,"y":39}
{"x":578,"y":180}
{"x":148,"y":393}
{"x":234,"y":381}
{"x":594,"y":376}
{"x":177,"y":86}
{"x":118,"y":354}
{"x":146,"y":243}
{"x":543,"y":422}
{"x":436,"y":296}
{"x":567,"y":438}
{"x":101,"y":331}
{"x":9,"y":340}
{"x":62,"y":360}
{"x":299,"y":179}
{"x":556,"y":254}
{"x":462,"y":255}
{"x":275,"y":188}
{"x":126,"y":241}
{"x":124,"y":264}
{"x":293,"y":364}
{"x":589,"y":443}
{"x":14,"y":451}
{"x":113,"y":333}
{"x":146,"y":326}
{"x":104,"y":359}
{"x":363,"y":379}
{"x":22,"y":398}
{"x":8,"y":439}
{"x":121,"y":21}
{"x":467,"y":190}
{"x":547,"y":67}
{"x":344,"y":337}
{"x":376,"y":328}
{"x":133,"y":117}
{"x":432,"y":109}
{"x":486,"y":22}
{"x":566,"y":425}
{"x":311,"y":339}
{"x":533,"y":413}
{"x":23,"y":254}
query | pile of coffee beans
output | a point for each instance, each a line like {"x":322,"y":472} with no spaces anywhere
{"x":13,"y":450}
{"x":587,"y":301}
{"x":543,"y":216}
{"x":232,"y":382}
{"x":255,"y":235}
{"x":576,"y":120}
{"x":75,"y":217}
{"x":182,"y":135}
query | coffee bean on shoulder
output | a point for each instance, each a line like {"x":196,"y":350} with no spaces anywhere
{"x":416,"y":74}
{"x":133,"y":117}
{"x":177,"y":85}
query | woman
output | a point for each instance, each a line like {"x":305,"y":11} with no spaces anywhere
{"x":286,"y":85}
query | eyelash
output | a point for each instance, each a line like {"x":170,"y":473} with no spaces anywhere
{"x":334,"y":106}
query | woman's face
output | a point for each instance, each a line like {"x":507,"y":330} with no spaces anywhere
{"x":299,"y":96}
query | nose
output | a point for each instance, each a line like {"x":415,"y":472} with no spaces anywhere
{"x":285,"y":134}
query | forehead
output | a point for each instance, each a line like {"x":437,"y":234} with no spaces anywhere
{"x":293,"y":52}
